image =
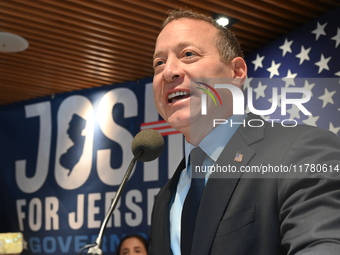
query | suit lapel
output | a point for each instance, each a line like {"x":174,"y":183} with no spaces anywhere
{"x":161,"y":223}
{"x":220,"y":188}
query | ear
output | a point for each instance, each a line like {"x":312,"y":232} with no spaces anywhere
{"x":240,"y":71}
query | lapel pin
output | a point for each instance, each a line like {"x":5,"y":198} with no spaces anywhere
{"x":238,"y":157}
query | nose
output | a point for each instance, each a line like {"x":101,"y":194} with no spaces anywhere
{"x":172,"y":70}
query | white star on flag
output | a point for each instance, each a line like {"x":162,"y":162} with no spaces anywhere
{"x":335,"y":130}
{"x":286,"y":47}
{"x":294,"y":112}
{"x":258,"y":62}
{"x":320,"y":30}
{"x":323,"y":63}
{"x":327,"y":98}
{"x":274,"y":69}
{"x":311,"y":120}
{"x":309,"y":87}
{"x":303,"y":55}
{"x":338,"y":74}
{"x":337,"y":38}
{"x":289,"y":79}
{"x":260,"y":90}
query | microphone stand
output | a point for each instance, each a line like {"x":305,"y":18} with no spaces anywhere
{"x":96,"y":249}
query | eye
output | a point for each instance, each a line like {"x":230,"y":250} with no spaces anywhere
{"x":158,"y":63}
{"x":189,"y":54}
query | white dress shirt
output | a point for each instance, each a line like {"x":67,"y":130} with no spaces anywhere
{"x":212,"y":145}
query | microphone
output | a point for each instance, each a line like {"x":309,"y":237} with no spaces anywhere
{"x":146,"y":146}
{"x":150,"y":142}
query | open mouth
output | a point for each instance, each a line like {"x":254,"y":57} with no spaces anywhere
{"x":178,"y":95}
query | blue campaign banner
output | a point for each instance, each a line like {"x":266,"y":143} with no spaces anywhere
{"x":63,"y":158}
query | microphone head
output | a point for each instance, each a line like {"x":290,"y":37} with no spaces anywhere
{"x":150,"y":142}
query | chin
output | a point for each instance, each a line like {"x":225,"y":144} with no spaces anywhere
{"x":179,"y":122}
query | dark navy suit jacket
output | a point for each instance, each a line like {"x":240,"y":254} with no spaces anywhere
{"x":244,"y":213}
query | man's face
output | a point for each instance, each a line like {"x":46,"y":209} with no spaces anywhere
{"x":186,"y":50}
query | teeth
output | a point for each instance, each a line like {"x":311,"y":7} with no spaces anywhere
{"x":177,"y":93}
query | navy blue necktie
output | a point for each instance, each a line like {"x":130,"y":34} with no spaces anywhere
{"x":192,"y":200}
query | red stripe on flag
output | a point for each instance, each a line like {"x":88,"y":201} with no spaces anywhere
{"x":161,"y":126}
{"x":153,"y":123}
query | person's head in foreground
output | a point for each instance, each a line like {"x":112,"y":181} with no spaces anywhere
{"x":192,"y":47}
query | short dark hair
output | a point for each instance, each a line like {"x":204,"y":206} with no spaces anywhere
{"x":139,"y":237}
{"x":226,"y":42}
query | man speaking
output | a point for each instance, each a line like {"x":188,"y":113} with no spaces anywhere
{"x":295,"y":211}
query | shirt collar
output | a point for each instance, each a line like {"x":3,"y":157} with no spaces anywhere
{"x":214,"y":143}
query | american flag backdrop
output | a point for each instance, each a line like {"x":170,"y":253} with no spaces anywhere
{"x":308,"y":58}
